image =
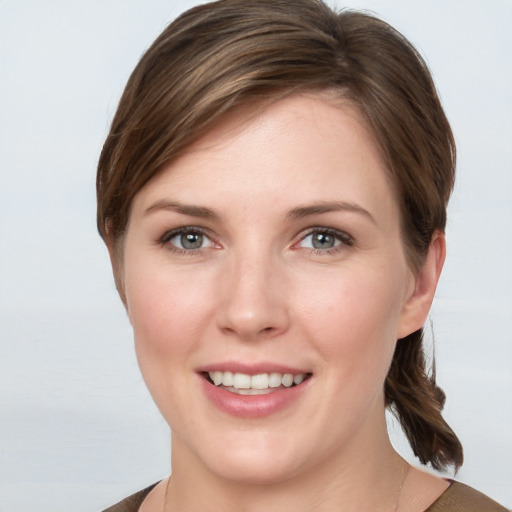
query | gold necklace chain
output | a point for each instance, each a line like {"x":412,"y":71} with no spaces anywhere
{"x":166,"y":491}
{"x":399,"y":493}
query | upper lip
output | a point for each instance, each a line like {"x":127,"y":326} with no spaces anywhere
{"x":250,"y":368}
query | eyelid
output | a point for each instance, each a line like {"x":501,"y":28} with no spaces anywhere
{"x":342,"y":236}
{"x":173,"y":233}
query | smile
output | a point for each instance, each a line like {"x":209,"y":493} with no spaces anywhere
{"x":249,"y":392}
{"x":260,"y":384}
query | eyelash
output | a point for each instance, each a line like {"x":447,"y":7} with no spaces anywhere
{"x":165,"y":240}
{"x":344,"y":238}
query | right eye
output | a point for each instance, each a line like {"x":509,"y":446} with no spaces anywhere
{"x":187,"y":239}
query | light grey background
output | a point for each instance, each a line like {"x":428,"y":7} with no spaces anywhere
{"x":78,"y":430}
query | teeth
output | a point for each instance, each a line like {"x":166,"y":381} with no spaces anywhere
{"x":227,"y":379}
{"x":216,"y":377}
{"x":297,"y":379}
{"x":259,"y":381}
{"x":287,"y":380}
{"x":251,"y":391}
{"x":241,"y":381}
{"x":274,"y":380}
{"x":262,"y":381}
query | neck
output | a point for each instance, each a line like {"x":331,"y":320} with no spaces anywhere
{"x":363,"y":477}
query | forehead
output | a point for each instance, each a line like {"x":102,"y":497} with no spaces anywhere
{"x":324,"y":115}
{"x":298,"y":149}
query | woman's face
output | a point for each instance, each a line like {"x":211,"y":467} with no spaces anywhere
{"x":270,"y":253}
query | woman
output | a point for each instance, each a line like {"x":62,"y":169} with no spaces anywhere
{"x":273,"y":196}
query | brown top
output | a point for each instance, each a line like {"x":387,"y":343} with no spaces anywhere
{"x":457,"y":498}
{"x":132,"y":503}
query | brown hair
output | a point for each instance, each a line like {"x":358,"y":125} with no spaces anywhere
{"x":219,"y":56}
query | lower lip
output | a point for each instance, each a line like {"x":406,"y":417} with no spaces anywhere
{"x":252,"y":406}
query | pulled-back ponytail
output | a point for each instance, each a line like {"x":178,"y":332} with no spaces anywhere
{"x":416,"y":400}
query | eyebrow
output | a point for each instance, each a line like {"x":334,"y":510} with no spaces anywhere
{"x":296,"y":213}
{"x":185,"y":209}
{"x":327,"y":207}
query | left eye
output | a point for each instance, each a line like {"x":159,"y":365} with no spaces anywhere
{"x":324,"y":240}
{"x":188,"y":240}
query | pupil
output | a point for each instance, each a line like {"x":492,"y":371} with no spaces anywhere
{"x":323,"y":241}
{"x":192,"y":240}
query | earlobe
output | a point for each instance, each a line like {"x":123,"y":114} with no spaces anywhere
{"x":417,"y":306}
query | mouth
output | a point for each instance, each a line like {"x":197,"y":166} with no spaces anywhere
{"x":259,"y":384}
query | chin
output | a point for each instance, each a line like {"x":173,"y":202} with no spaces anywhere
{"x":253,"y":469}
{"x":252,"y":458}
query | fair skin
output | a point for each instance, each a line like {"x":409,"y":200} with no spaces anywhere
{"x":273,"y":246}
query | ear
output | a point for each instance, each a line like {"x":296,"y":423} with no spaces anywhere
{"x":421,"y":295}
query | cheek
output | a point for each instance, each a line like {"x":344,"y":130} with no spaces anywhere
{"x":354,"y":318}
{"x":166,"y":310}
{"x":168,"y":320}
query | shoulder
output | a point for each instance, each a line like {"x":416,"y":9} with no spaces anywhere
{"x":462,"y":498}
{"x":132,"y":503}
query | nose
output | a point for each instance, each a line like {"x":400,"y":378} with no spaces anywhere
{"x":253,"y":301}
